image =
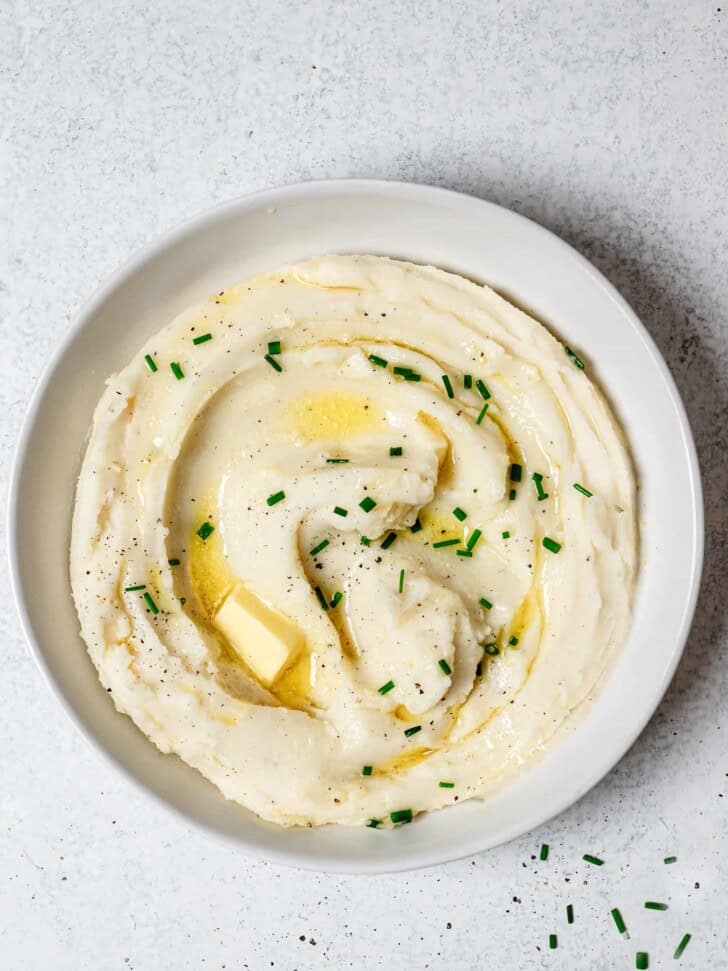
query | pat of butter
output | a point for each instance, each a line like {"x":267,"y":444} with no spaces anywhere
{"x":264,"y":639}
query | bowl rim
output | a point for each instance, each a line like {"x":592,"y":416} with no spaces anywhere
{"x":272,"y":197}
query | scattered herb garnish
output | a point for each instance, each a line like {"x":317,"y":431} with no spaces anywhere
{"x":569,"y":913}
{"x":273,"y":363}
{"x":445,"y":667}
{"x":512,"y":494}
{"x":379,"y":361}
{"x":150,"y":363}
{"x":395,"y":450}
{"x":553,"y":942}
{"x":150,"y":603}
{"x":401,"y":816}
{"x":516,"y":472}
{"x":538,"y":479}
{"x":367,"y":504}
{"x":513,"y":640}
{"x":505,"y":534}
{"x":202,"y":339}
{"x":337,"y":598}
{"x":173,"y":562}
{"x":582,"y":490}
{"x":276,"y":497}
{"x":409,"y":732}
{"x":641,"y":961}
{"x":580,"y":364}
{"x":459,"y":513}
{"x":337,"y":461}
{"x":416,"y":526}
{"x":374,"y":823}
{"x":485,"y":604}
{"x":544,"y":854}
{"x":401,"y":581}
{"x":618,"y":920}
{"x":413,"y":376}
{"x":386,"y":687}
{"x":682,"y":945}
{"x":365,"y":541}
{"x":139,"y":586}
{"x":654,"y":905}
{"x":274,"y":347}
{"x":321,"y":598}
{"x":473,"y":539}
{"x":445,"y":542}
{"x":448,"y":386}
{"x":484,"y":393}
{"x":319,"y":546}
{"x":446,"y":785}
{"x":670,"y":859}
{"x":491,"y":649}
{"x":389,"y":539}
{"x":402,"y":371}
{"x":593,"y":859}
{"x":340,"y":511}
{"x":481,"y":416}
{"x":205,"y":531}
{"x":467,"y":381}
{"x":366,"y":770}
{"x":551,"y":545}
{"x":177,"y":370}
{"x":464,"y":552}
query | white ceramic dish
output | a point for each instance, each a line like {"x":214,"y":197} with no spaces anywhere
{"x":479,"y":240}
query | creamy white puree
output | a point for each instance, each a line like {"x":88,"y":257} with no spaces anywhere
{"x":167,"y":455}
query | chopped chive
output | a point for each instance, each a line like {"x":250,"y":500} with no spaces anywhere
{"x":367,"y":504}
{"x":491,"y":649}
{"x":582,"y":490}
{"x":473,"y":539}
{"x":516,"y":472}
{"x":464,"y":552}
{"x":402,"y":371}
{"x":365,"y":541}
{"x":366,"y":770}
{"x":446,"y":785}
{"x":374,"y":823}
{"x":183,"y":600}
{"x":593,"y":859}
{"x":654,"y":905}
{"x":512,"y":495}
{"x":445,"y":542}
{"x":337,"y":461}
{"x":484,"y":393}
{"x":485,"y":604}
{"x":173,"y":562}
{"x":618,"y":920}
{"x":341,"y":512}
{"x":150,"y":363}
{"x":416,"y":526}
{"x":321,"y":598}
{"x":202,"y":339}
{"x":319,"y":546}
{"x":670,"y":859}
{"x":580,"y":364}
{"x":337,"y":598}
{"x":395,"y":450}
{"x":513,"y":640}
{"x":379,"y":361}
{"x":481,"y":416}
{"x":205,"y":531}
{"x":274,"y":347}
{"x":386,"y":687}
{"x":682,"y":945}
{"x":401,"y":816}
{"x":544,"y":854}
{"x":445,"y":667}
{"x":409,"y":732}
{"x":273,"y":363}
{"x":538,"y":479}
{"x":569,"y":913}
{"x":551,"y":545}
{"x":401,"y":581}
{"x":177,"y":370}
{"x":505,"y":534}
{"x":139,"y":586}
{"x":467,"y":381}
{"x":276,"y":497}
{"x":553,"y":942}
{"x":150,"y":603}
{"x":448,"y":386}
{"x":641,"y":961}
{"x":413,"y":376}
{"x":389,"y":539}
{"x":459,"y":513}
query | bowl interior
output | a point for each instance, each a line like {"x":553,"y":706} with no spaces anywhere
{"x":469,"y":236}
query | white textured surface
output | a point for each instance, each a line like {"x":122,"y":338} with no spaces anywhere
{"x":608,"y":123}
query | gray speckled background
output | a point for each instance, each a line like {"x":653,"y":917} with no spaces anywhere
{"x":606,"y":122}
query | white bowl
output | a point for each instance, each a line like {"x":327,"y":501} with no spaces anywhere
{"x":427,"y":225}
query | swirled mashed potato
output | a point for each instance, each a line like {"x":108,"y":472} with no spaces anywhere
{"x":327,"y":545}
